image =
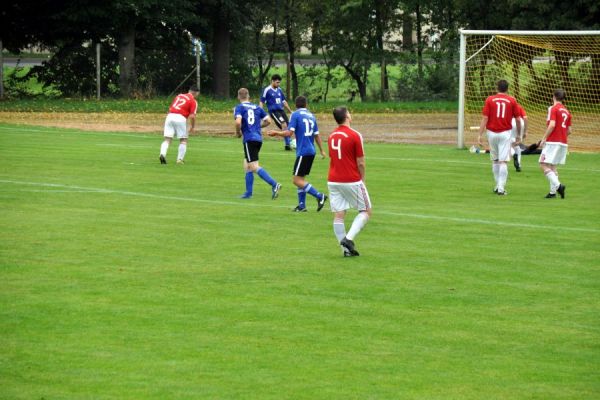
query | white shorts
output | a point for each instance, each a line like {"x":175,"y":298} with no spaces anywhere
{"x":343,"y":196}
{"x":499,"y":145}
{"x":554,"y":153}
{"x":176,"y":124}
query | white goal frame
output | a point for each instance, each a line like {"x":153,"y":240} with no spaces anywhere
{"x":463,"y":63}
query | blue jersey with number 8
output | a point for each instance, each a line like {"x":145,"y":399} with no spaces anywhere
{"x":252,"y":116}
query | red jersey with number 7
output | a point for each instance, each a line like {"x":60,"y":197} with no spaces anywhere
{"x":562,"y":117}
{"x":500,"y":110}
{"x":184,"y":104}
{"x":345,"y":146}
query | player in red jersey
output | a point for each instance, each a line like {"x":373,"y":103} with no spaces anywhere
{"x":516,"y":150}
{"x":183,"y":107}
{"x":555,"y":143}
{"x":346,"y":180}
{"x":498,"y":113}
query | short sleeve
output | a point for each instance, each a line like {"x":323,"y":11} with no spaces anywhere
{"x":262,"y":113}
{"x":237,"y":113}
{"x":316,"y":128}
{"x":293,"y":122}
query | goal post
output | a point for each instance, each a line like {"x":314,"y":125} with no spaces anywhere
{"x":534,"y":63}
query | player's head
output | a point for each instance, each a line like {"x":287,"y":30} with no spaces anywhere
{"x":243,"y":94}
{"x":275,"y":80}
{"x":502,"y":86}
{"x":194,"y":90}
{"x":342,"y":115}
{"x":301,"y":102}
{"x":559,"y":95}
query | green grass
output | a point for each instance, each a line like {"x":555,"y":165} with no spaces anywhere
{"x":121,"y":278}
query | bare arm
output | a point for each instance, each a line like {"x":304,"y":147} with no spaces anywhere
{"x":525,"y":126}
{"x":192,"y":118}
{"x":265,"y":122}
{"x":320,"y":146}
{"x":549,"y":130}
{"x":482,"y":126}
{"x":287,"y":106}
{"x":518,"y":126}
{"x":360,"y":161}
{"x":286,"y":133}
{"x":238,"y":127}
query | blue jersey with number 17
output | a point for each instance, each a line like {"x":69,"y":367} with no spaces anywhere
{"x":252,"y":116}
{"x":304,"y":125}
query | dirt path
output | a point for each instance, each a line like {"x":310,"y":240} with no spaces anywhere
{"x":437,"y":128}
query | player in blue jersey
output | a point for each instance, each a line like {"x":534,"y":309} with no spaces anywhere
{"x":303,"y":125}
{"x":249,"y":119}
{"x":274,"y":98}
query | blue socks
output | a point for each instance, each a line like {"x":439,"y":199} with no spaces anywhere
{"x":287,"y":140}
{"x":301,"y":198}
{"x":312,"y":191}
{"x":249,"y":182}
{"x":266,"y":177}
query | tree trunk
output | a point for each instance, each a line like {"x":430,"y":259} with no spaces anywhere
{"x":127,"y":76}
{"x":419,"y":41}
{"x":221,"y":54}
{"x":291,"y":49}
{"x":360,"y":83}
{"x":407,"y":31}
{"x":314,"y":39}
{"x":380,"y":17}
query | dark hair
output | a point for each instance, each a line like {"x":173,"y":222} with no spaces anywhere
{"x":301,"y":102}
{"x":194,"y":88}
{"x":276,"y":77}
{"x":340,"y":113}
{"x":502,"y":86}
{"x":559,"y":94}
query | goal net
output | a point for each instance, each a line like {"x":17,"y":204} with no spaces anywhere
{"x":534,"y":64}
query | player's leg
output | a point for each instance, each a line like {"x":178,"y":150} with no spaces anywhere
{"x":302,"y":168}
{"x":182,"y":150}
{"x":252,"y":150}
{"x":503,"y":157}
{"x":287,"y":140}
{"x":249,"y":179}
{"x":517,"y":157}
{"x":493,"y":142}
{"x":168,"y":133}
{"x":364,"y":211}
{"x":548,"y":161}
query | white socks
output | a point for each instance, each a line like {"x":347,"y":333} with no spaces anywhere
{"x":495,"y":169}
{"x":339,"y":229}
{"x":163,"y":148}
{"x":181,"y":152}
{"x":553,"y":179}
{"x":359,"y":222}
{"x":502,"y":176}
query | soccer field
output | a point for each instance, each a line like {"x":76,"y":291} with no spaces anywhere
{"x":121,"y":278}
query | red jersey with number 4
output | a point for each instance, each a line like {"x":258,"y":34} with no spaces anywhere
{"x":184,"y":104}
{"x":562,"y":117}
{"x":345,"y":146}
{"x":500,"y":110}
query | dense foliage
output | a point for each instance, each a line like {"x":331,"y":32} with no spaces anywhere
{"x":146,"y":44}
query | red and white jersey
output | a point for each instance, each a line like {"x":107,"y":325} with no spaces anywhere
{"x":345,"y":146}
{"x":184,"y":104}
{"x":500,"y":110}
{"x":562,"y":117}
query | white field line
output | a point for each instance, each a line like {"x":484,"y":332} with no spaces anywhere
{"x":271,"y":205}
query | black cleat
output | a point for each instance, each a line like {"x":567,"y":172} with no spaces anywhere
{"x":348,"y":246}
{"x":321,"y":202}
{"x":551,"y":195}
{"x":561,"y":190}
{"x":288,"y":148}
{"x":516,"y":162}
{"x":162,"y":159}
{"x":496,"y":191}
{"x":300,"y":209}
{"x":503,"y":193}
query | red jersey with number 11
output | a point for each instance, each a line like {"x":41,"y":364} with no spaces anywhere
{"x":345,"y":146}
{"x":500,"y":110}
{"x":184,"y":104}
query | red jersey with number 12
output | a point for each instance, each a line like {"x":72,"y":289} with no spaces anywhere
{"x":184,"y":104}
{"x":345,"y":146}
{"x":500,"y":110}
{"x":562,"y":117}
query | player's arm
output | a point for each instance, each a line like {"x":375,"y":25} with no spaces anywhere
{"x":518,"y":126}
{"x":360,"y":162}
{"x":266,"y":121}
{"x":261,"y":104}
{"x":525,"y":127}
{"x":569,"y":131}
{"x":192,"y":119}
{"x":549,"y":129}
{"x":238,"y":126}
{"x":319,"y":145}
{"x":482,"y":125}
{"x":286,"y":133}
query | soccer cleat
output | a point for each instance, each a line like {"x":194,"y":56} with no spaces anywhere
{"x":516,"y":162}
{"x":276,"y":190}
{"x":561,"y":190}
{"x":495,"y":191}
{"x":321,"y":202}
{"x":501,"y":193}
{"x":551,"y":195}
{"x":180,"y":162}
{"x":162,"y":159}
{"x":246,"y":196}
{"x":288,"y":148}
{"x":348,"y":246}
{"x":300,"y":209}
